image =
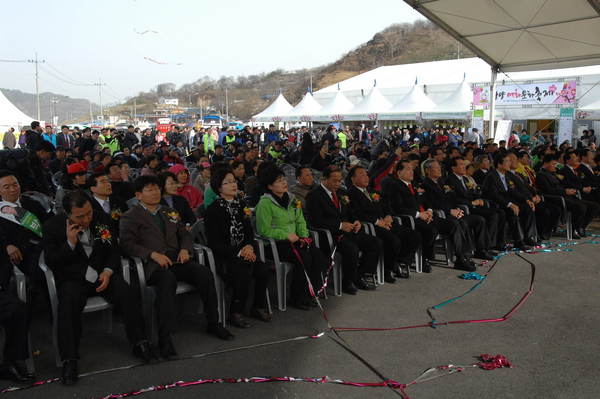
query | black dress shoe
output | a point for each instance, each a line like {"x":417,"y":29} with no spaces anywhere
{"x":14,"y":372}
{"x":388,"y":277}
{"x":237,"y":320}
{"x":220,"y":332}
{"x":426,"y":266}
{"x":581,"y":233}
{"x":403,"y":271}
{"x":362,"y":285}
{"x":522,"y":246}
{"x":166,"y":348}
{"x":576,"y":235}
{"x":349,"y":288}
{"x":485,"y":255}
{"x":70,"y":374}
{"x":530,"y":242}
{"x":464,"y":264}
{"x":145,"y":352}
{"x":261,"y":314}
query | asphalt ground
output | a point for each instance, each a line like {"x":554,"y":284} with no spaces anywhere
{"x":552,"y":341}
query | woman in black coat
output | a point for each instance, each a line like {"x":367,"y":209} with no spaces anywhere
{"x":170,"y":198}
{"x":231,"y":238}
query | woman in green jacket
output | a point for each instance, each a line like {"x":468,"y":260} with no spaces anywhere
{"x":279,"y":216}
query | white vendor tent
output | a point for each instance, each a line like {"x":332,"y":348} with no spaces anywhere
{"x":11,"y":116}
{"x":335,"y":109}
{"x":274,"y":112}
{"x":369,"y":108}
{"x":457,"y":106}
{"x":306,"y":108}
{"x":409,"y":106}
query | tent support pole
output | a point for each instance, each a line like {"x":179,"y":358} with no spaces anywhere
{"x":491,"y":130}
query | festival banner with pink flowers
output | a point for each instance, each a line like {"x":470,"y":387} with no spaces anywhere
{"x":530,"y":94}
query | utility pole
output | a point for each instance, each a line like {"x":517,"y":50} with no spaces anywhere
{"x":311,"y":89}
{"x":91,"y":114}
{"x":54,"y":113}
{"x":134,"y":110}
{"x":100,"y":84}
{"x":37,"y":83}
{"x":226,"y":107}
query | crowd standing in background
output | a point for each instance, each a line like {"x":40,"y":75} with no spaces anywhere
{"x":82,"y":199}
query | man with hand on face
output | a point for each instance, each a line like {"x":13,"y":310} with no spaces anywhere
{"x":329,"y":209}
{"x":157,"y":235}
{"x":82,"y":251}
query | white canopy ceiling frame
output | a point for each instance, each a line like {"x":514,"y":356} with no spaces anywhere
{"x":274,"y":112}
{"x":512,"y":35}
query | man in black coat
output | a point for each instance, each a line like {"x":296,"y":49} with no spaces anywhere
{"x":468,"y":232}
{"x":550,"y":184}
{"x":65,"y":139}
{"x":547,"y":214}
{"x":402,"y":200}
{"x":82,"y":251}
{"x":467,"y":194}
{"x":575,"y":179}
{"x":499,"y":188}
{"x":33,"y":136}
{"x":328,"y":209}
{"x":104,"y":202}
{"x":399,"y":242}
{"x":586,"y":172}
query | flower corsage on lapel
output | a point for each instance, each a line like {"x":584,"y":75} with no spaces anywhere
{"x":345,"y":200}
{"x":447,"y":188}
{"x":115,"y":214}
{"x":470,"y":185}
{"x":511,"y":184}
{"x":173,"y":215}
{"x":247,"y":212}
{"x":103,"y":234}
{"x":375,"y":197}
{"x":298,"y":204}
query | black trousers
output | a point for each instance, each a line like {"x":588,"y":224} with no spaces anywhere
{"x":428,"y":232}
{"x":399,"y":244}
{"x":38,"y":289}
{"x":523,"y":225}
{"x":547,"y":215}
{"x":459,"y":233}
{"x":239,"y":274}
{"x":349,"y":247}
{"x":495,"y":221}
{"x":477,"y":226}
{"x":582,"y":211}
{"x":314,"y":261}
{"x":15,"y":320}
{"x":165,"y":281}
{"x":72,"y":297}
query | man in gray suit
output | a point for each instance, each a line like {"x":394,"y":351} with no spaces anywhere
{"x":156,"y":235}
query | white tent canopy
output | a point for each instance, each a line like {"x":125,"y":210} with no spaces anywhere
{"x":456,"y":106}
{"x":11,"y":116}
{"x":368,"y":109}
{"x":521,"y":35}
{"x":307,"y":107}
{"x":335,"y":109}
{"x":274,"y":112}
{"x":409,"y":106}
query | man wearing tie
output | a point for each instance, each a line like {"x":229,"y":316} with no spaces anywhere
{"x":330,"y":210}
{"x":82,"y":251}
{"x":500,"y":188}
{"x":104,"y":201}
{"x":65,"y":139}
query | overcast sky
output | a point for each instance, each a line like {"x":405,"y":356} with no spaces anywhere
{"x":83,"y":40}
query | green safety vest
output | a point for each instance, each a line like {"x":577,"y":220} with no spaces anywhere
{"x":342,"y":137}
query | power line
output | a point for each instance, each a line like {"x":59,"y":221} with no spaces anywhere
{"x":55,"y":76}
{"x":74,"y":81}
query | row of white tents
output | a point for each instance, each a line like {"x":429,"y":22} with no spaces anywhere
{"x":374,"y":106}
{"x":11,"y":116}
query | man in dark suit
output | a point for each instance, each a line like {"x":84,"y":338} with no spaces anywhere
{"x":399,"y":242}
{"x":550,"y":184}
{"x":157,"y":236}
{"x":468,"y":232}
{"x":586,"y":172}
{"x":34,"y":136}
{"x":575,"y":179}
{"x":500,"y":188}
{"x":119,"y":180}
{"x":21,"y":233}
{"x":104,"y":201}
{"x":402,"y":200}
{"x":547,"y":214}
{"x":65,"y":139}
{"x":328,"y":209}
{"x":464,"y":193}
{"x":82,"y":251}
{"x":15,"y":321}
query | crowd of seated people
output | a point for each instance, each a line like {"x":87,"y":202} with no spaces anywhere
{"x":385,"y":200}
